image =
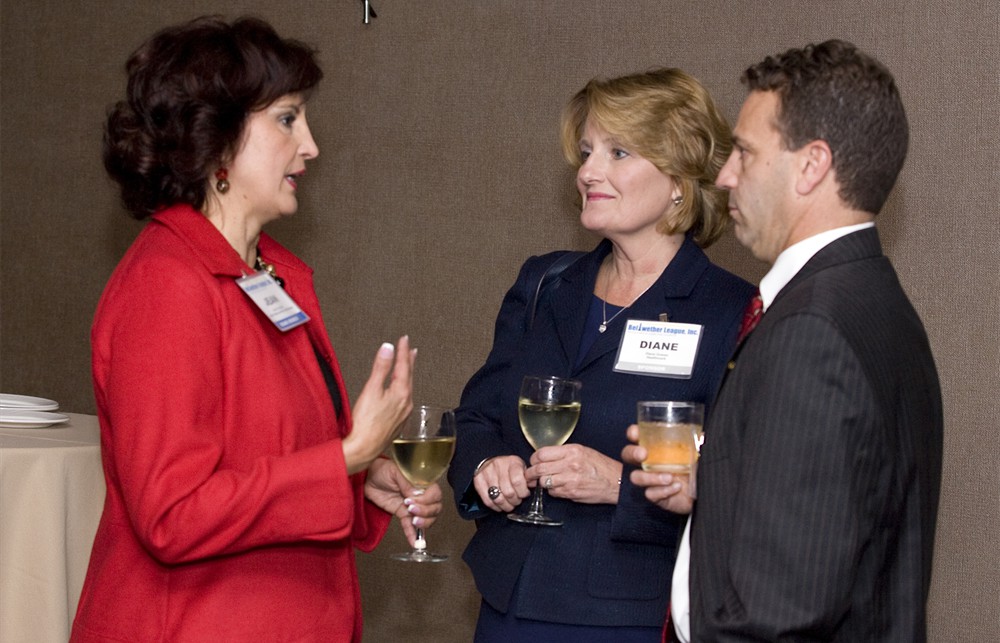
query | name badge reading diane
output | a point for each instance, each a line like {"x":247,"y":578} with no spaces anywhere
{"x":272,"y":300}
{"x":662,"y":349}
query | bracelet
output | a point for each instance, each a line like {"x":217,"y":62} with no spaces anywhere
{"x":475,"y":472}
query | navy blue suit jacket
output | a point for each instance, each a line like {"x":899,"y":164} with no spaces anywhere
{"x":819,"y":477}
{"x":609,"y":564}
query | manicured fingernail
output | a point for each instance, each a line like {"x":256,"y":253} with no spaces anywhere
{"x":386,"y":350}
{"x":418,"y":521}
{"x":407,"y":501}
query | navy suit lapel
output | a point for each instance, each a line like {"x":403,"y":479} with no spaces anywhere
{"x":567,"y":307}
{"x":573,"y":297}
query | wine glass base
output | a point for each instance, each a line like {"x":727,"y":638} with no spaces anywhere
{"x":419,"y":557}
{"x":532,"y":518}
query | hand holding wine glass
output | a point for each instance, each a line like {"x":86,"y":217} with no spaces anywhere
{"x":548,"y":409}
{"x":500,"y":482}
{"x":422,"y":450}
{"x":388,"y":489}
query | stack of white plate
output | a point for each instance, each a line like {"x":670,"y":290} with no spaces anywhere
{"x":27,"y":412}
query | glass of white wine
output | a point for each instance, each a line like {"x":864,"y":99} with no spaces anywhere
{"x":548,"y":409}
{"x":422,"y":450}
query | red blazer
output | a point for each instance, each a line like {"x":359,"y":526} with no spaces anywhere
{"x":229,"y":511}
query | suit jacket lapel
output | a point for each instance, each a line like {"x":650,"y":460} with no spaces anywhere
{"x":571,"y":300}
{"x":863,"y":244}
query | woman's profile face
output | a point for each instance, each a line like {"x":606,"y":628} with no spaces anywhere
{"x":272,"y":156}
{"x":623,"y":193}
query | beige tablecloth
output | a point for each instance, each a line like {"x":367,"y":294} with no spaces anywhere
{"x":51,"y":498}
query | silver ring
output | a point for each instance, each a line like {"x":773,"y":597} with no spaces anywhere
{"x":493,"y":493}
{"x":548,"y":482}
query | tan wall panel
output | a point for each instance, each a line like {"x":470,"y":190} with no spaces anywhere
{"x":440,"y":172}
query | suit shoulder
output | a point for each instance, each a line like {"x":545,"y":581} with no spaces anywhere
{"x":551,"y":258}
{"x":866,"y":303}
{"x":724,"y":284}
{"x":857,"y":289}
{"x":560,"y":261}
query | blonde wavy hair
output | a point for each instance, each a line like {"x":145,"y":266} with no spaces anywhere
{"x":667,"y":117}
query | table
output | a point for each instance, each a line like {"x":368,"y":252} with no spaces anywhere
{"x":51,"y":498}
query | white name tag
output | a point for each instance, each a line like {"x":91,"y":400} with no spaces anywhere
{"x":663,"y":349}
{"x":272,"y":300}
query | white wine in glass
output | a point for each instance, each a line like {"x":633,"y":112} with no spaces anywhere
{"x":546,"y":425}
{"x":422,"y":451}
{"x":548,"y":409}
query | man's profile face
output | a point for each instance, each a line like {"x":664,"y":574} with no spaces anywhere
{"x":759,"y":175}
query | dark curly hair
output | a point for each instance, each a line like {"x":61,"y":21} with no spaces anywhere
{"x":191,"y":88}
{"x":833,"y":92}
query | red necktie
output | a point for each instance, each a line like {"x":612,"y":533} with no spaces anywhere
{"x":751,"y":317}
{"x":669,"y":635}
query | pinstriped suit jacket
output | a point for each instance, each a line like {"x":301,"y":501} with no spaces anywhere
{"x":819,"y":477}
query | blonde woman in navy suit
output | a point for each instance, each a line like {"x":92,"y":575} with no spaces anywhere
{"x":648,"y":148}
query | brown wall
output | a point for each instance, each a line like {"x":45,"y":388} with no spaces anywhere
{"x":440,"y":172}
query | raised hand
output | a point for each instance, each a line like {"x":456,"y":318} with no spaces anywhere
{"x":383,"y":404}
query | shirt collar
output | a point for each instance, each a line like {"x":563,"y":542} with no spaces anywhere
{"x":791,"y":260}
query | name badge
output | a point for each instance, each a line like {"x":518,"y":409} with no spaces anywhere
{"x":661,"y":349}
{"x":272,"y":300}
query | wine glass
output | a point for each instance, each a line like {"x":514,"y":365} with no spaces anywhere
{"x":548,"y":409}
{"x":422,"y":450}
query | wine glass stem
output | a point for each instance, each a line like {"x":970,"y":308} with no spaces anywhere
{"x":537,"y":501}
{"x":420,"y":543}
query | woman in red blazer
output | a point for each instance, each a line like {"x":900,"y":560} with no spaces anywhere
{"x":238,"y":480}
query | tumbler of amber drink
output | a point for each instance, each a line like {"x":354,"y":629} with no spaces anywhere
{"x":669,"y":431}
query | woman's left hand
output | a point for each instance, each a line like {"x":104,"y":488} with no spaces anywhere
{"x":389,"y":490}
{"x":577,"y":473}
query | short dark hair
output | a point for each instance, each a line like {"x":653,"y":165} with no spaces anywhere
{"x":834,"y":92}
{"x":190,"y":90}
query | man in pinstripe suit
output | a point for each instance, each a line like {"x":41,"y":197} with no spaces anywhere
{"x":819,"y":477}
